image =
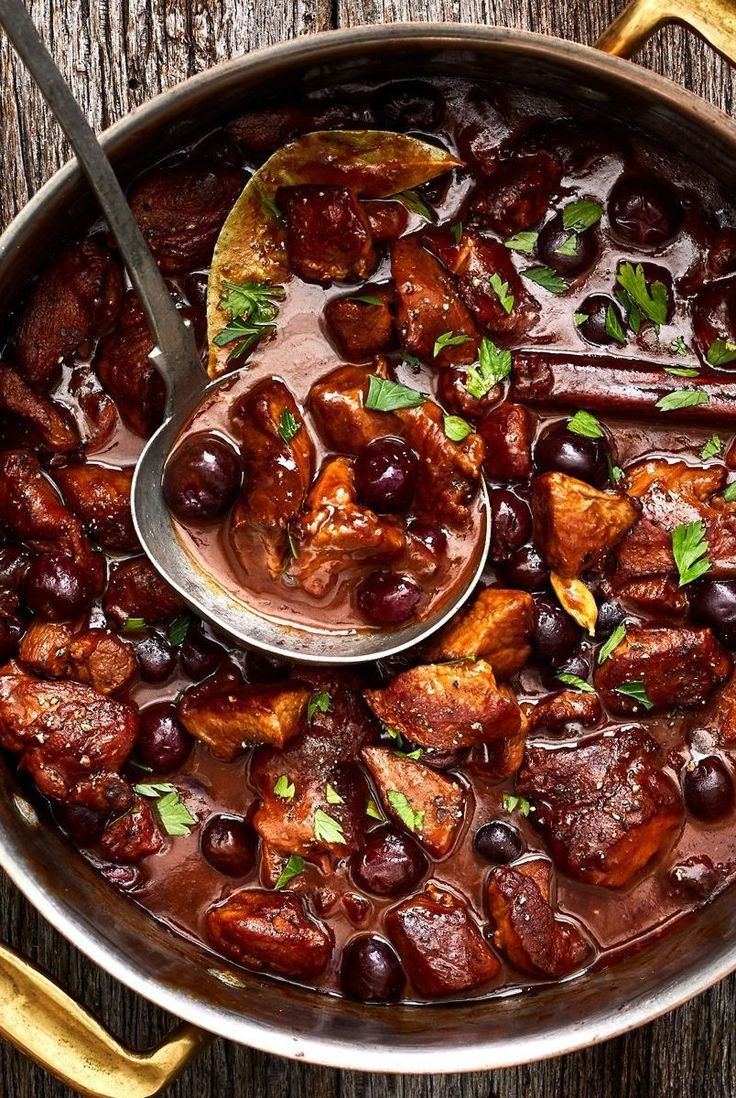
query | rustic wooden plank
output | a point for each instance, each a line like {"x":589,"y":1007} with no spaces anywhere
{"x":116,"y":55}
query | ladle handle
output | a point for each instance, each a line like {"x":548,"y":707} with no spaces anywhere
{"x":176,"y":354}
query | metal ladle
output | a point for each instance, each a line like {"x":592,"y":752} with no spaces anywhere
{"x":176,"y":358}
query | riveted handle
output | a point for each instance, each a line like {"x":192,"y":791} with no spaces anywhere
{"x":43,"y":1022}
{"x":713,"y":20}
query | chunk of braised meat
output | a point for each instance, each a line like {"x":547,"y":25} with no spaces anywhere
{"x":720,"y":717}
{"x":324,"y":754}
{"x":270,"y":931}
{"x":428,"y":306}
{"x":136,"y":590}
{"x":127,"y":374}
{"x":74,"y":300}
{"x":337,"y":403}
{"x":658,"y":596}
{"x":33,"y":513}
{"x":606,"y":806}
{"x":52,"y":426}
{"x":72,"y":740}
{"x":387,"y":220}
{"x":277,"y":473}
{"x":181,"y":209}
{"x":264,"y":130}
{"x":678,"y":668}
{"x":334,"y":531}
{"x":362,"y":325}
{"x":495,"y":627}
{"x":229,"y":716}
{"x":449,"y":472}
{"x":100,"y":497}
{"x":446,"y":706}
{"x":672,"y":494}
{"x":575,"y":525}
{"x":565,"y":707}
{"x":517,"y":195}
{"x":328,"y":234}
{"x":507,"y":433}
{"x":69,"y":650}
{"x":527,"y":931}
{"x":475,"y":260}
{"x":440,"y":944}
{"x":453,"y":393}
{"x":133,"y":836}
{"x":411,"y":791}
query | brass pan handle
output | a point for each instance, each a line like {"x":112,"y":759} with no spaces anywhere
{"x":713,"y":20}
{"x":40,"y":1020}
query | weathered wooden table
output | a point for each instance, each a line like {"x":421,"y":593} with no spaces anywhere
{"x":116,"y":54}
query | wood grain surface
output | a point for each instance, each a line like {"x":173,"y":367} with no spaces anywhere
{"x":116,"y":54}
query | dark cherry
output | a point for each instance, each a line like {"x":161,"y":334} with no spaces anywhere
{"x":370,"y":971}
{"x":576,"y":665}
{"x":499,"y":843}
{"x":526,"y":569}
{"x":610,"y":614}
{"x":390,"y":863}
{"x":156,"y":659}
{"x":82,"y":825}
{"x":432,"y":538}
{"x":387,"y":598}
{"x":593,"y":328}
{"x":555,"y":635}
{"x":56,"y":588}
{"x":560,"y":450}
{"x":202,"y":478}
{"x":695,"y":878}
{"x":11,"y":630}
{"x":229,"y":844}
{"x":386,"y":474}
{"x":408,"y":105}
{"x":259,"y":667}
{"x":198,"y":655}
{"x":554,"y":236}
{"x":713,"y":603}
{"x":511,"y":524}
{"x":162,"y":742}
{"x":644,"y":210}
{"x":708,"y":789}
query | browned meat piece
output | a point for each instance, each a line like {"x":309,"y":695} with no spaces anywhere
{"x":720,"y":717}
{"x":264,"y":131}
{"x":68,"y":650}
{"x":334,"y":531}
{"x":428,"y":306}
{"x":74,"y":300}
{"x":362,"y":325}
{"x":606,"y":807}
{"x":575,"y":525}
{"x":34,"y":514}
{"x":72,"y":741}
{"x":52,"y":426}
{"x":671,"y":494}
{"x":337,"y":403}
{"x":229,"y":716}
{"x":277,"y":473}
{"x":328,"y":233}
{"x":388,"y":220}
{"x":507,"y":433}
{"x":449,"y":472}
{"x":324,"y":754}
{"x":446,"y":706}
{"x":135,"y":590}
{"x":100,"y":497}
{"x":474,"y":260}
{"x":658,"y":596}
{"x":518,"y":194}
{"x":435,"y":801}
{"x":128,"y":375}
{"x":181,"y":210}
{"x":270,"y":931}
{"x":441,"y":947}
{"x":678,"y":667}
{"x":495,"y":627}
{"x":565,"y":707}
{"x":133,"y":836}
{"x":527,"y":931}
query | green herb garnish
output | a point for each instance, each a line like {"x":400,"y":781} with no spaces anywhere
{"x":292,"y":869}
{"x":581,"y":215}
{"x":637,"y":691}
{"x":612,"y":643}
{"x":585,"y":424}
{"x":721,"y":352}
{"x":284,"y":788}
{"x":457,"y":428}
{"x":713,"y":448}
{"x":501,"y":289}
{"x":327,"y":829}
{"x":576,"y":682}
{"x":389,"y":396}
{"x":682,"y":398}
{"x":523,"y":242}
{"x":547,"y":279}
{"x":449,"y":339}
{"x":690,"y":550}
{"x":493,"y":366}
{"x":321,"y":702}
{"x":414,"y":821}
{"x":288,"y":425}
